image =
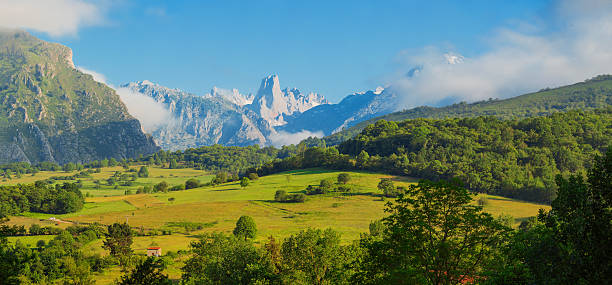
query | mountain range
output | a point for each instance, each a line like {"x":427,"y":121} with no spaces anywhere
{"x":50,"y":111}
{"x":230,"y":118}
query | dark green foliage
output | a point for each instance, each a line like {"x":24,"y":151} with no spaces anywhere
{"x":244,"y":182}
{"x":221,"y":259}
{"x":253,"y":176}
{"x":377,"y":228}
{"x":161,"y":187}
{"x":389,"y":189}
{"x":143,"y":172}
{"x":432,"y":236}
{"x":119,"y":240}
{"x":344,"y":178}
{"x":513,"y":158}
{"x":571,"y":244}
{"x":282,"y":196}
{"x":148,"y":271}
{"x":40,"y":197}
{"x":59,"y":262}
{"x":192,"y":183}
{"x":315,"y":257}
{"x":215,"y":158}
{"x":245,"y":228}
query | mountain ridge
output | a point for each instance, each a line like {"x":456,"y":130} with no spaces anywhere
{"x":50,"y":111}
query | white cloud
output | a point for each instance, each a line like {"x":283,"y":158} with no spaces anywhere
{"x":54,"y":17}
{"x":517,"y":61}
{"x":96,"y":76}
{"x":151,"y":114}
{"x":285,"y":138}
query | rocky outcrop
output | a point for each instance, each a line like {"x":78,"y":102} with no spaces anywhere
{"x":274,"y":104}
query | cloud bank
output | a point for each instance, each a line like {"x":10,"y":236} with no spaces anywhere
{"x":285,"y":138}
{"x":519,"y":60}
{"x":54,"y":17}
{"x":151,"y":114}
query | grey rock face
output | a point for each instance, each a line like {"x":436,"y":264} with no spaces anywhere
{"x":202,"y":120}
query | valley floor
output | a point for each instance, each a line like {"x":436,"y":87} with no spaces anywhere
{"x":216,"y":208}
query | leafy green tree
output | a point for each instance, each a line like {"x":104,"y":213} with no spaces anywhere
{"x":388,"y":188}
{"x":572,"y":243}
{"x":362,"y":159}
{"x":344,"y":178}
{"x":192,"y":183}
{"x":221,"y":259}
{"x":315,"y":257}
{"x":433,"y":235}
{"x":119,"y":240}
{"x":245,"y":228}
{"x":161,"y":187}
{"x":143,"y":172}
{"x":173,"y":164}
{"x":244,"y":182}
{"x":147,"y":271}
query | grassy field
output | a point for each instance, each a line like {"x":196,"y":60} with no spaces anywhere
{"x":217,"y":208}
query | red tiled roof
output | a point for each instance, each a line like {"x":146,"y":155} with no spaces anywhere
{"x":154,"y":247}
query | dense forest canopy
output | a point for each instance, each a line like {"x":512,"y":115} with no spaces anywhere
{"x":515,"y":158}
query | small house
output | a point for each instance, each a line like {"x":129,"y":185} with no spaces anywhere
{"x":154,"y":251}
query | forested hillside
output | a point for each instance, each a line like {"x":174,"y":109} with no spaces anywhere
{"x":515,"y":158}
{"x":591,"y":94}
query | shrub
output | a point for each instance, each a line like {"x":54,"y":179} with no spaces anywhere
{"x":192,"y":183}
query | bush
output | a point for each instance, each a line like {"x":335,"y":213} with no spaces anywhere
{"x":344,"y":178}
{"x":192,"y":183}
{"x":161,"y":187}
{"x":280,"y":196}
{"x":253,"y":176}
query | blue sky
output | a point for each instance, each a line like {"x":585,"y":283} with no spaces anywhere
{"x":330,"y":47}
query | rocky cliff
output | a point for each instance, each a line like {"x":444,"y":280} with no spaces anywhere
{"x":49,"y":111}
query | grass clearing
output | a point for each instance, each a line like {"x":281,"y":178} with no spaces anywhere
{"x":189,"y":213}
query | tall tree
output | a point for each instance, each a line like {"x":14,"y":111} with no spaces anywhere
{"x":245,"y":228}
{"x":119,"y":240}
{"x":432,"y":235}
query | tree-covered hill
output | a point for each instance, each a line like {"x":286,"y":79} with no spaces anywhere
{"x":517,"y":158}
{"x":590,"y":94}
{"x":50,"y":111}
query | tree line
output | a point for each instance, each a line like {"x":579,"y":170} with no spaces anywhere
{"x":512,"y":158}
{"x":40,"y":197}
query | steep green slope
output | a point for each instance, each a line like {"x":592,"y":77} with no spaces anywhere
{"x":590,"y":94}
{"x":49,"y":111}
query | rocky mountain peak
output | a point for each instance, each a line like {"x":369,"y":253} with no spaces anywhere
{"x":274,"y":104}
{"x":232,"y":95}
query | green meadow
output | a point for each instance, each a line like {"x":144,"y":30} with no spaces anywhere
{"x":216,"y":208}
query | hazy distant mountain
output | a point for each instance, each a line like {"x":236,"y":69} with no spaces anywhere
{"x":214,"y":118}
{"x":590,"y":94}
{"x":50,"y":111}
{"x":351,"y":110}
